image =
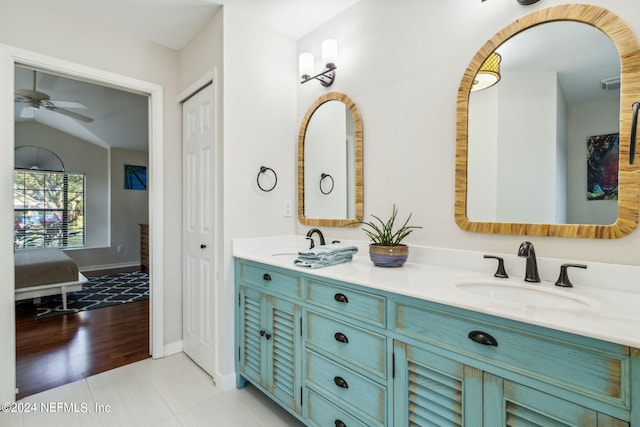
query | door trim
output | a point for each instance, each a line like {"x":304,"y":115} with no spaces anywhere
{"x":9,"y":56}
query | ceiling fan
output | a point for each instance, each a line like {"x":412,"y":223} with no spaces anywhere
{"x":36,"y":100}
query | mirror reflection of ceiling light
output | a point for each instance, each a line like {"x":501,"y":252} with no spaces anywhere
{"x":488,"y":74}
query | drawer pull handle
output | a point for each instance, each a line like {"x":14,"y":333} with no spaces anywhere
{"x":341,"y":298}
{"x":340,"y":337}
{"x":266,"y":276}
{"x":340,"y":382}
{"x":340,"y":423}
{"x":483,"y":338}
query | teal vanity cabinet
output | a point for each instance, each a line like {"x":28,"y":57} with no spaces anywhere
{"x":269,"y":333}
{"x":459,"y":368}
{"x":339,"y":354}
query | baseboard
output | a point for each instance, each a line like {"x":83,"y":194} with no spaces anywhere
{"x":109,"y":266}
{"x":226,"y":382}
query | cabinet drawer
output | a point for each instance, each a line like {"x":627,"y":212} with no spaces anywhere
{"x":583,"y":365}
{"x":272,"y":279}
{"x":322,"y":413}
{"x":354,"y":345}
{"x":361,"y":305}
{"x":343,"y":385}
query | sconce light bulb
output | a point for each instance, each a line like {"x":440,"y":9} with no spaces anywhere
{"x":330,"y":53}
{"x":305,"y":64}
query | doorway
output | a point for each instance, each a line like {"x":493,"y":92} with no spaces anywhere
{"x":8,"y":59}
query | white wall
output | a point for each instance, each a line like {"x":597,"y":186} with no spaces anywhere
{"x":409,"y":112}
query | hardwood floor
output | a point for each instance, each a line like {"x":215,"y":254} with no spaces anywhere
{"x":62,"y":349}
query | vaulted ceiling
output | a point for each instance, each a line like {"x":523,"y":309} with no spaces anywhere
{"x":119,"y":118}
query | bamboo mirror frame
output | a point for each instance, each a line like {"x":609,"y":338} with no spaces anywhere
{"x":357,"y":157}
{"x":628,"y":174}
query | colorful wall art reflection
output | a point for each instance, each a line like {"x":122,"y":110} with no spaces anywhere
{"x":135,"y":177}
{"x":602,"y":167}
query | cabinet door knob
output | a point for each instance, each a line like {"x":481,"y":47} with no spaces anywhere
{"x":265,"y":334}
{"x":341,"y":298}
{"x":203,"y":246}
{"x":340,"y":382}
{"x":340,"y":337}
{"x":266,"y":276}
{"x":483,"y":338}
{"x":340,"y":423}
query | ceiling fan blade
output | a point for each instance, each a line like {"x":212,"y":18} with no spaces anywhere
{"x":71,"y":114}
{"x":67,"y":104}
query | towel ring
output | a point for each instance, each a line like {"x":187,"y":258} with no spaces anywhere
{"x":322,"y":178}
{"x":264,"y":169}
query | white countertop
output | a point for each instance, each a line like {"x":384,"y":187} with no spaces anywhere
{"x":608,"y":314}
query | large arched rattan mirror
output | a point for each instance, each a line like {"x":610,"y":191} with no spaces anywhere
{"x":628,"y":49}
{"x":330,"y":182}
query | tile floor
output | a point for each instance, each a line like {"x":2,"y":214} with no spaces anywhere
{"x":168,"y":392}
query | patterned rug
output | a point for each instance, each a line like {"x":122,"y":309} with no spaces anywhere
{"x":98,"y":292}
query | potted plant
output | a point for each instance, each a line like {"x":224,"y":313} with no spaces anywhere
{"x":386,"y":249}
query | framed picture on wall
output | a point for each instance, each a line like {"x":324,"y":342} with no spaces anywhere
{"x":603,"y":152}
{"x":135,"y":177}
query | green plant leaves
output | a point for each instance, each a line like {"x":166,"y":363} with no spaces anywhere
{"x":382,"y":233}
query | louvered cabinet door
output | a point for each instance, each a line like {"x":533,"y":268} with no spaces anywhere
{"x":269,"y":341}
{"x":251,"y":338}
{"x":431,"y":390}
{"x":284,"y":359}
{"x":511,"y":404}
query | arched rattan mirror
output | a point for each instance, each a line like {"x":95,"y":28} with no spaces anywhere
{"x":621,"y":38}
{"x":330,"y":182}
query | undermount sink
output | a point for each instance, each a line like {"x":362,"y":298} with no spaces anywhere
{"x":285,"y":253}
{"x":529,"y":294}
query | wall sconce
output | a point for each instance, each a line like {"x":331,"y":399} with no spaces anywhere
{"x":488,"y":74}
{"x":329,"y":58}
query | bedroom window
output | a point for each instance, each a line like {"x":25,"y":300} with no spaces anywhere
{"x":48,"y":209}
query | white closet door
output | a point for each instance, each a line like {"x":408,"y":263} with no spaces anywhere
{"x":198,"y":229}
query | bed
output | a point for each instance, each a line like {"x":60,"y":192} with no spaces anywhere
{"x":46,"y":271}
